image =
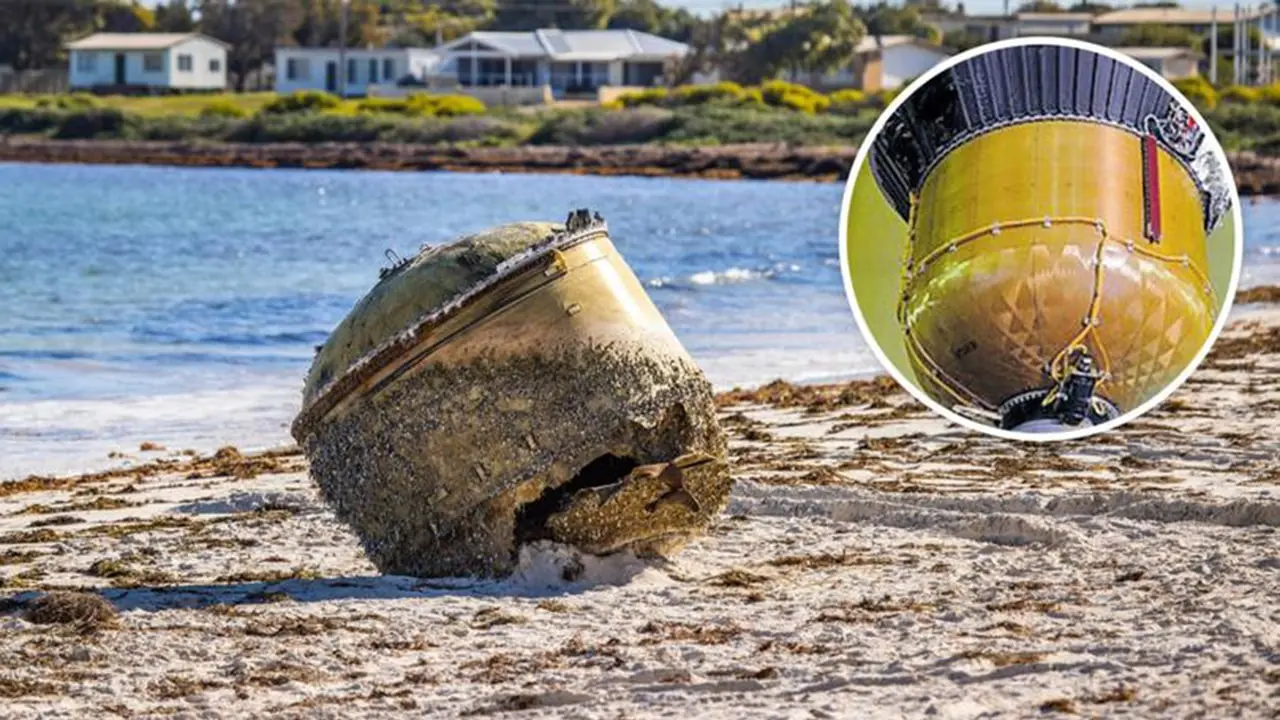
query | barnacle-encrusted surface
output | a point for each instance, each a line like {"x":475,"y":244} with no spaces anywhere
{"x":432,"y":471}
{"x":427,"y":283}
{"x":517,"y":385}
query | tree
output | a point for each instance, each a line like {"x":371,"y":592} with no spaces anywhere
{"x":564,"y":14}
{"x":33,"y":32}
{"x":1093,"y":8}
{"x":706,"y":40}
{"x":961,"y":40}
{"x":1161,"y":36}
{"x":122,"y":17}
{"x":253,"y":29}
{"x":1040,"y":6}
{"x":320,"y":23}
{"x":823,"y":36}
{"x":648,"y":16}
{"x":174,"y":16}
{"x":425,"y":26}
{"x":885,"y":19}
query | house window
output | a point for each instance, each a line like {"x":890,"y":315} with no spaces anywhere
{"x":86,"y":61}
{"x":296,"y":69}
{"x":184,"y":63}
{"x":388,"y":69}
{"x":215,"y":65}
{"x":153,"y":62}
{"x":351,"y":71}
{"x":373,"y":71}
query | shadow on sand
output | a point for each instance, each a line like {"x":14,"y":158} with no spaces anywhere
{"x":542,"y":575}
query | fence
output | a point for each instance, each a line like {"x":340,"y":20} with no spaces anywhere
{"x":49,"y":80}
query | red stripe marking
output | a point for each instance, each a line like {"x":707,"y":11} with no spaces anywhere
{"x":1151,"y":187}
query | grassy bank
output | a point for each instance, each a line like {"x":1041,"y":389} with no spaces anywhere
{"x":707,"y":115}
{"x":776,"y":113}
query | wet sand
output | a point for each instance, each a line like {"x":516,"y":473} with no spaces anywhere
{"x":875,"y":561}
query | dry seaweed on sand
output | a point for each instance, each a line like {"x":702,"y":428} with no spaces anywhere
{"x":87,"y":612}
{"x":813,"y":398}
{"x":1260,"y":294}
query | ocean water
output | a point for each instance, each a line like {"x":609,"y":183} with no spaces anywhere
{"x":182,"y":306}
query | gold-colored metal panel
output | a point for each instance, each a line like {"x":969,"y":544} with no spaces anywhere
{"x":1003,"y":270}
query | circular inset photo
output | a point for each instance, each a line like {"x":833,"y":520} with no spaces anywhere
{"x":1040,"y":238}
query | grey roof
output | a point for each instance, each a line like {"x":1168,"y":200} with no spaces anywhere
{"x":577,"y":44}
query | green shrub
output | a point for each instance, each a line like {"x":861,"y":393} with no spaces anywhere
{"x":778,"y":93}
{"x":847,"y":102}
{"x":482,"y":130}
{"x":1270,"y":94}
{"x":751,"y":98}
{"x":94,"y":123}
{"x":328,"y":127}
{"x":24,"y":121}
{"x":185,"y":127}
{"x":1198,"y":91}
{"x":74,"y":101}
{"x":223,"y":109}
{"x":597,"y":127}
{"x":1239,"y":95}
{"x":721,"y":92}
{"x":1269,"y":146}
{"x":652,"y":96}
{"x":423,"y":105}
{"x":1240,"y":126}
{"x":724,"y":125}
{"x":311,"y":128}
{"x":387,"y":106}
{"x":302,"y":101}
{"x":449,"y":105}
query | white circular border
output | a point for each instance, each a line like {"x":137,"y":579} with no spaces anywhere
{"x":869,"y":337}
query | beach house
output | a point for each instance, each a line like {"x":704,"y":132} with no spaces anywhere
{"x":1172,"y":63}
{"x":305,"y":68}
{"x":1115,"y":26}
{"x":148,"y":62}
{"x":569,"y":61}
{"x":881,"y":62}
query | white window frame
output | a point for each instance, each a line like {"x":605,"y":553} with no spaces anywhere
{"x":153,"y":58}
{"x":185,"y":62}
{"x":215,"y":65}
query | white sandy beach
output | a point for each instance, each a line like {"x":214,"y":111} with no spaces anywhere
{"x":875,"y":561}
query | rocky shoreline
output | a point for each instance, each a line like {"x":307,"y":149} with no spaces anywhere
{"x":756,"y":161}
{"x":1255,"y":175}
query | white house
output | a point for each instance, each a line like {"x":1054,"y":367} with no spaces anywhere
{"x":1173,"y":63}
{"x":1061,"y":23}
{"x":166,"y":61}
{"x":569,"y":61}
{"x":881,"y":62}
{"x":299,"y":68}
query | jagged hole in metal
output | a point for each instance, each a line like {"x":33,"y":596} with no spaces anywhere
{"x":531,"y":518}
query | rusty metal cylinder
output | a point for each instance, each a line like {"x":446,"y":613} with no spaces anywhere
{"x":515,"y":385}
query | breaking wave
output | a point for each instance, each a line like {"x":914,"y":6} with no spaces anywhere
{"x":733,"y":275}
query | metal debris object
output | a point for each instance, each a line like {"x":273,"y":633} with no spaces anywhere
{"x":515,"y":385}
